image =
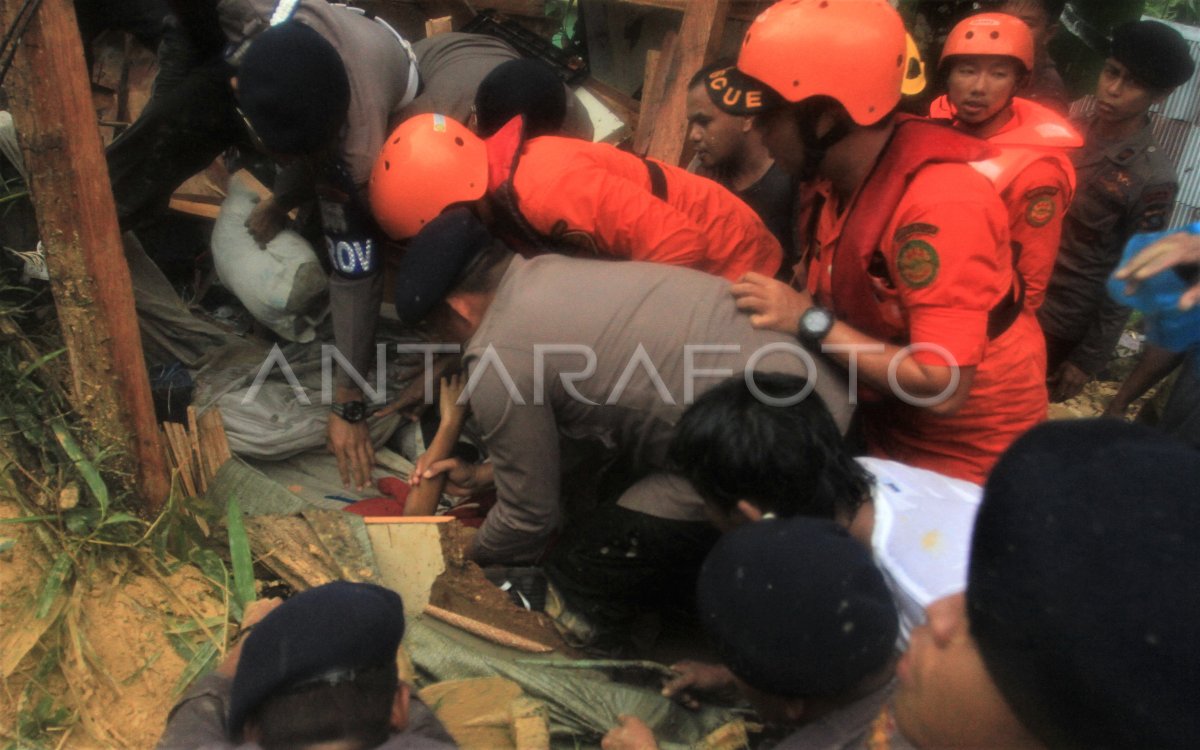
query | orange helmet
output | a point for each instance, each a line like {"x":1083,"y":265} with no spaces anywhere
{"x":427,"y":163}
{"x":854,"y":51}
{"x":991,"y":34}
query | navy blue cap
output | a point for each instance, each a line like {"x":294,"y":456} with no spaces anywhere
{"x":1156,"y":54}
{"x":293,"y":89}
{"x":434,"y":261}
{"x":796,"y":607}
{"x":1082,"y":589}
{"x":325,"y":631}
{"x":528,"y":88}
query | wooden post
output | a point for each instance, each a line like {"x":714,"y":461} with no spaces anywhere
{"x":51,"y":106}
{"x":665,"y":116}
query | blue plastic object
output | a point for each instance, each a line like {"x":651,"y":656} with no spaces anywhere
{"x":1158,"y":298}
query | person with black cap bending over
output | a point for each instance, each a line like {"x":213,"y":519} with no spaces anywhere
{"x":579,"y":370}
{"x":1126,"y":184}
{"x":317,"y":92}
{"x":1078,"y":628}
{"x":318,"y":670}
{"x":804,"y":620}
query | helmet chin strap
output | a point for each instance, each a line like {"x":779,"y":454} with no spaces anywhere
{"x":817,"y":146}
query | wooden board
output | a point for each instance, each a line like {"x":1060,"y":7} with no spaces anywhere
{"x":409,"y":557}
{"x":51,"y":102}
{"x":700,"y":37}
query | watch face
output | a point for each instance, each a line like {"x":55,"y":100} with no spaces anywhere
{"x":817,"y":321}
{"x":354,"y":411}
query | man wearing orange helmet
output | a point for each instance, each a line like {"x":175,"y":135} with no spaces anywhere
{"x":986,"y":60}
{"x":552,"y":193}
{"x":910,"y":279}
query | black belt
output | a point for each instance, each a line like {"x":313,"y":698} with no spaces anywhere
{"x":658,"y":179}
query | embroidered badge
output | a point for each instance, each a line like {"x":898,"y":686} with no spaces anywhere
{"x":911,"y":230}
{"x":1038,"y":192}
{"x":1040,"y":212}
{"x":917,"y":263}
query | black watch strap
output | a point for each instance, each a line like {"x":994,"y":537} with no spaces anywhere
{"x":351,"y":411}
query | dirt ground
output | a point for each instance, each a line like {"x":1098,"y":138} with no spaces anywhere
{"x":117,"y":670}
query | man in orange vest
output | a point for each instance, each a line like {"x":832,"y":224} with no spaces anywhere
{"x":987,"y":59}
{"x":906,"y":243}
{"x":554,"y":193}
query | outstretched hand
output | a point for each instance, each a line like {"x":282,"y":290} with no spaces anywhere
{"x":1172,"y":250}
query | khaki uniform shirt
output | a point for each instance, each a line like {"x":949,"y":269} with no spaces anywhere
{"x":1124,"y":187}
{"x":601,"y":353}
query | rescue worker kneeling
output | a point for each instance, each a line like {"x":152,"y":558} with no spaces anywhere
{"x":579,"y":370}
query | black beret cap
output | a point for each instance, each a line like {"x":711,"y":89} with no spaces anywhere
{"x":529,"y":88}
{"x":1155,"y":53}
{"x":434,"y":261}
{"x":331,"y":628}
{"x":1084,"y":585}
{"x":293,"y":88}
{"x":796,"y":607}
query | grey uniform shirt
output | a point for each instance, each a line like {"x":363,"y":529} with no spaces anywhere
{"x":378,"y":67}
{"x":1124,"y":187}
{"x":601,"y":352}
{"x":198,"y":721}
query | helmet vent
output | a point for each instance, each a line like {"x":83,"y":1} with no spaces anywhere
{"x":458,"y":141}
{"x":387,"y":165}
{"x":795,"y":83}
{"x":995,"y":35}
{"x":970,"y":35}
{"x":824,"y":4}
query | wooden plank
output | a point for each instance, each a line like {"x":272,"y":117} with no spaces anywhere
{"x":487,"y":632}
{"x":202,"y":209}
{"x":742,"y":10}
{"x":410,"y":559}
{"x":435,"y":26}
{"x":380,"y":520}
{"x":652,"y":93}
{"x":202,"y":469}
{"x":51,"y":103}
{"x":698,"y":43}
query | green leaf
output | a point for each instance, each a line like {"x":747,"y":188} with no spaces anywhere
{"x":200,"y":663}
{"x":86,"y":468}
{"x":7,"y":543}
{"x":117,"y":518}
{"x":211,"y":566}
{"x":53,"y":585}
{"x":239,"y":556}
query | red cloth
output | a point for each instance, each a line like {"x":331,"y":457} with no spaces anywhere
{"x":595,"y":196}
{"x":930,"y":275}
{"x":470,"y":511}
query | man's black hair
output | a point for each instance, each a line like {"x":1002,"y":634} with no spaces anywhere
{"x":786,"y":460}
{"x":356,"y":710}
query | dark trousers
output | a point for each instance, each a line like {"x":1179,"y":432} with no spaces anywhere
{"x":190,"y":120}
{"x":614,"y":564}
{"x":1057,"y":351}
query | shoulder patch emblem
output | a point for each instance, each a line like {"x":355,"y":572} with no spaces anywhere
{"x":911,"y":230}
{"x":917,"y":263}
{"x":1040,"y":212}
{"x":1038,"y":192}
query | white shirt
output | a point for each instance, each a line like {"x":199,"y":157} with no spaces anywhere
{"x":922,"y":535}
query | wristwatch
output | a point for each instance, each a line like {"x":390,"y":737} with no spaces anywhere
{"x":815,"y":324}
{"x":351,"y":411}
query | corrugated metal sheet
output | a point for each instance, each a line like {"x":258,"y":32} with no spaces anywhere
{"x":1172,"y":135}
{"x":1178,"y":131}
{"x":1188,"y":167}
{"x":1184,"y":215}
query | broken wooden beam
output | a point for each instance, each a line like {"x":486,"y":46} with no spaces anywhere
{"x":487,"y":632}
{"x":51,"y":103}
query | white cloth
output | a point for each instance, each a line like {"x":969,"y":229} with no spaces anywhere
{"x":922,"y":535}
